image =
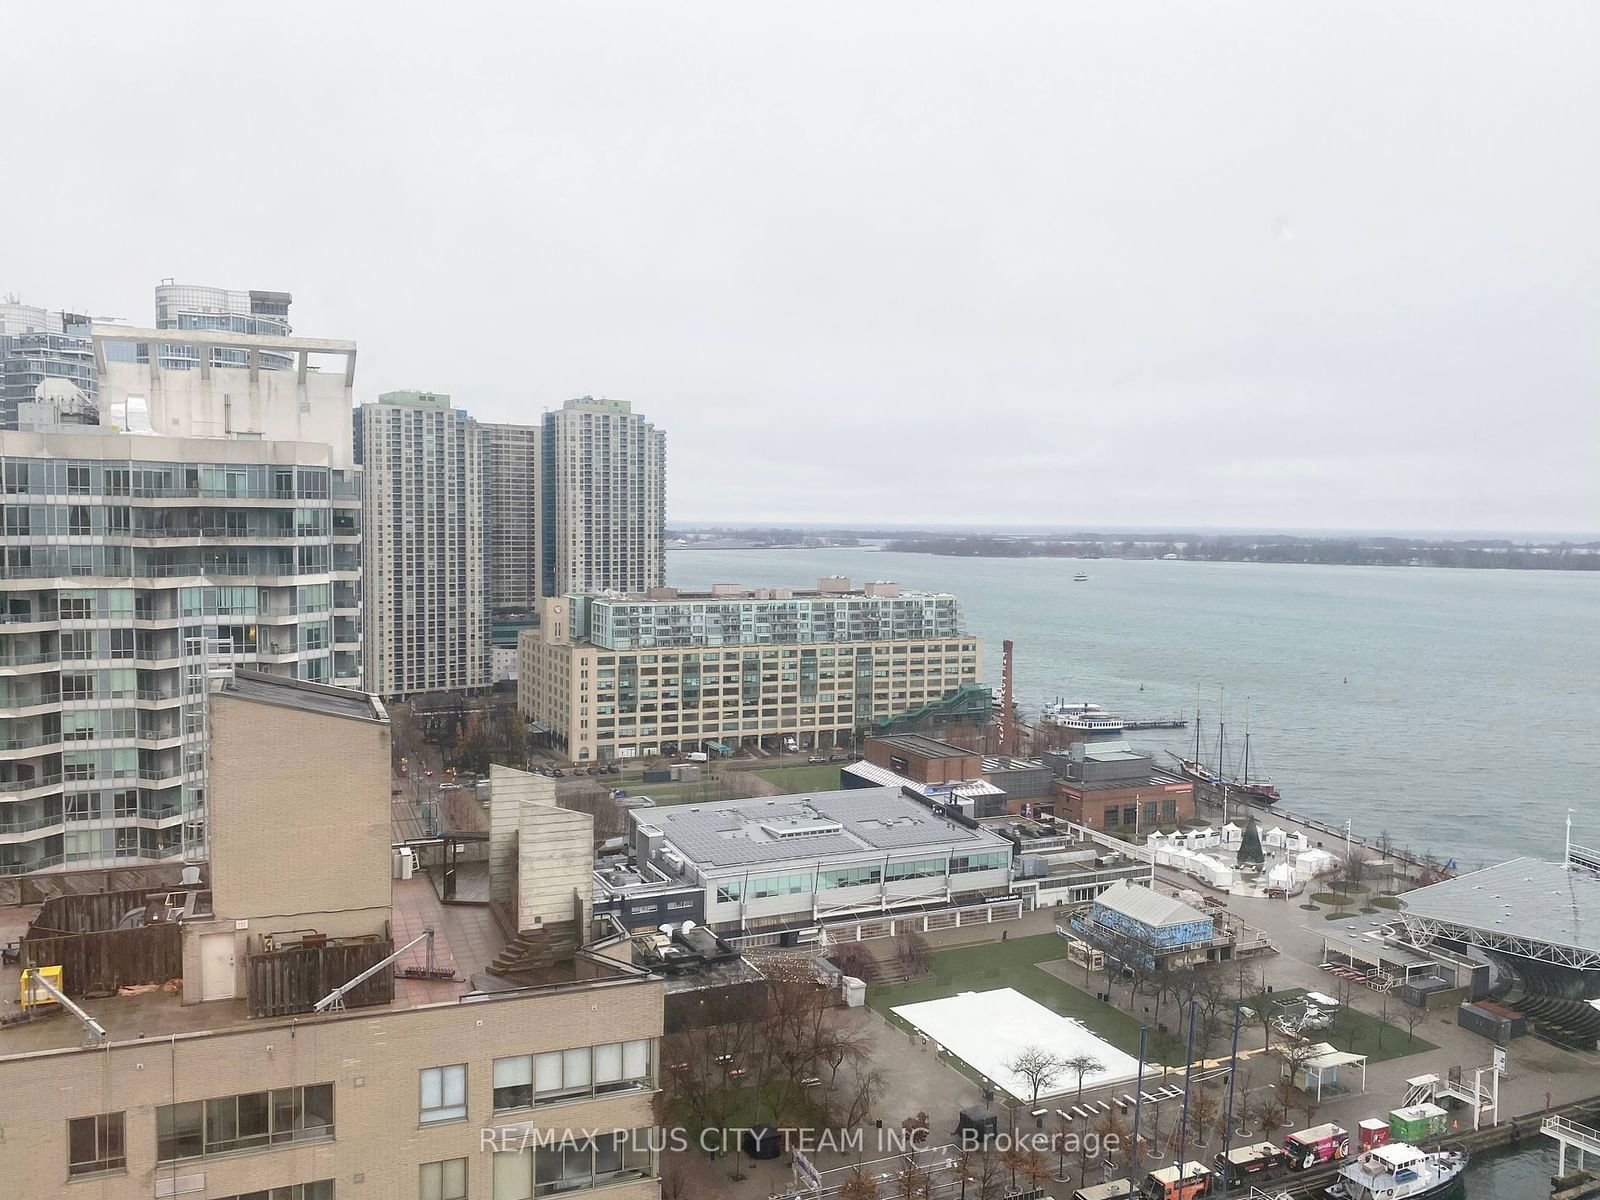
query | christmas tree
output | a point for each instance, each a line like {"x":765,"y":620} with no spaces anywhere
{"x":1250,"y":853}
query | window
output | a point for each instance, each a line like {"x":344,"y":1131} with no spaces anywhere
{"x":567,"y":1074}
{"x":444,"y":1093}
{"x":95,"y":1144}
{"x":251,"y":1121}
{"x":445,"y":1180}
{"x":321,"y":1189}
{"x":513,"y":1082}
{"x":571,"y":1166}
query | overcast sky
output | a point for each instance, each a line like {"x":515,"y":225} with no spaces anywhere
{"x":1264,"y":265}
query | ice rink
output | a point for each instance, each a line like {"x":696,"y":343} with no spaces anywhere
{"x":987,"y":1029}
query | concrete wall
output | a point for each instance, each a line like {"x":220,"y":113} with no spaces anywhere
{"x":555,"y":868}
{"x":372,"y":1058}
{"x":509,"y":790}
{"x":541,"y":856}
{"x":299,"y":817}
{"x":226,"y":402}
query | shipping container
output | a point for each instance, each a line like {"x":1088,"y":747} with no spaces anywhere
{"x":1417,"y":1123}
{"x":1485,"y":1024}
{"x":1519,"y":1022}
{"x":1373,"y":1133}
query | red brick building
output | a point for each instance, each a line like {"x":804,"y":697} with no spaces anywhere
{"x":924,"y":759}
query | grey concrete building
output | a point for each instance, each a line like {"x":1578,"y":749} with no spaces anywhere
{"x":211,"y":521}
{"x":36,"y":345}
{"x":423,"y":512}
{"x":510,"y":457}
{"x":602,"y":492}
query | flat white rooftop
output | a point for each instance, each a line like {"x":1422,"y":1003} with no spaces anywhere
{"x":986,"y":1030}
{"x":732,"y":833}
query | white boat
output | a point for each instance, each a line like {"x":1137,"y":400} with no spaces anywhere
{"x":1081,"y":577}
{"x":1399,"y":1172}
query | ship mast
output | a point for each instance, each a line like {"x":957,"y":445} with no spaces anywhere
{"x":1221,"y":729}
{"x":1245,"y":778}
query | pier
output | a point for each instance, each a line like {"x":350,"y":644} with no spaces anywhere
{"x":1158,"y":723}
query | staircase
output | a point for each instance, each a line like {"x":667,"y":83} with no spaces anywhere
{"x":535,"y":950}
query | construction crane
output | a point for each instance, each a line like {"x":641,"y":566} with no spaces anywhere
{"x":334,"y":1000}
{"x":94,"y":1033}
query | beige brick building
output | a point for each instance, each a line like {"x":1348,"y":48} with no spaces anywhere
{"x":619,"y":676}
{"x":453,"y":1083}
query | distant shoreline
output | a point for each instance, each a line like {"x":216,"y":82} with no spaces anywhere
{"x":1484,"y":555}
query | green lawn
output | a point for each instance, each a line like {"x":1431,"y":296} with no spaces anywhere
{"x":811,"y":777}
{"x":1372,"y":1037}
{"x":1013,"y":963}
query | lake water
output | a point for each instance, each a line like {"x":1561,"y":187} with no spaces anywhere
{"x":1457,"y":710}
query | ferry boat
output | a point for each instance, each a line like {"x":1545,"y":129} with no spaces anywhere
{"x":1082,"y":715}
{"x":1399,"y":1172}
{"x":1081,"y":577}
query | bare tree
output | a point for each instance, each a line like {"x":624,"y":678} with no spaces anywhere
{"x":1413,"y":1017}
{"x":912,"y":952}
{"x":913,"y":1181}
{"x":989,"y":1175}
{"x":865,"y":1087}
{"x":1037,"y":1067}
{"x":674,"y":1181}
{"x":1292,"y":1055}
{"x":1082,"y":1064}
{"x":1269,"y":1113}
{"x":1203,"y":1106}
{"x":1014,"y":1158}
{"x":1036,"y":1169}
{"x":859,"y":1185}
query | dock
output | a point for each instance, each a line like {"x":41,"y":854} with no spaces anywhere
{"x":1158,"y":723}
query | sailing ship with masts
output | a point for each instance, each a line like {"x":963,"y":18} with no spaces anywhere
{"x":1215,"y":778}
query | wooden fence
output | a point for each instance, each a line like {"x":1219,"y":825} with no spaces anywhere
{"x":100,"y":961}
{"x":282,"y":982}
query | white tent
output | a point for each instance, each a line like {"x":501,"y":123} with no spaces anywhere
{"x":1295,"y":841}
{"x":1313,"y":862}
{"x":1282,"y":875}
{"x":1213,"y":870}
{"x":1232,"y":835}
{"x":1156,"y":839}
{"x":1202,"y":837}
{"x":1273,"y":837}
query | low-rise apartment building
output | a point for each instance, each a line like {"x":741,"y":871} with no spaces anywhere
{"x":619,"y":676}
{"x":441,"y":1075}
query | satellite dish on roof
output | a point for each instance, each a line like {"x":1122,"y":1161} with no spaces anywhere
{"x":687,"y":926}
{"x":667,"y":928}
{"x":190,"y":877}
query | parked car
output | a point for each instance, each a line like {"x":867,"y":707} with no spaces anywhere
{"x":557,"y":773}
{"x":816,"y":758}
